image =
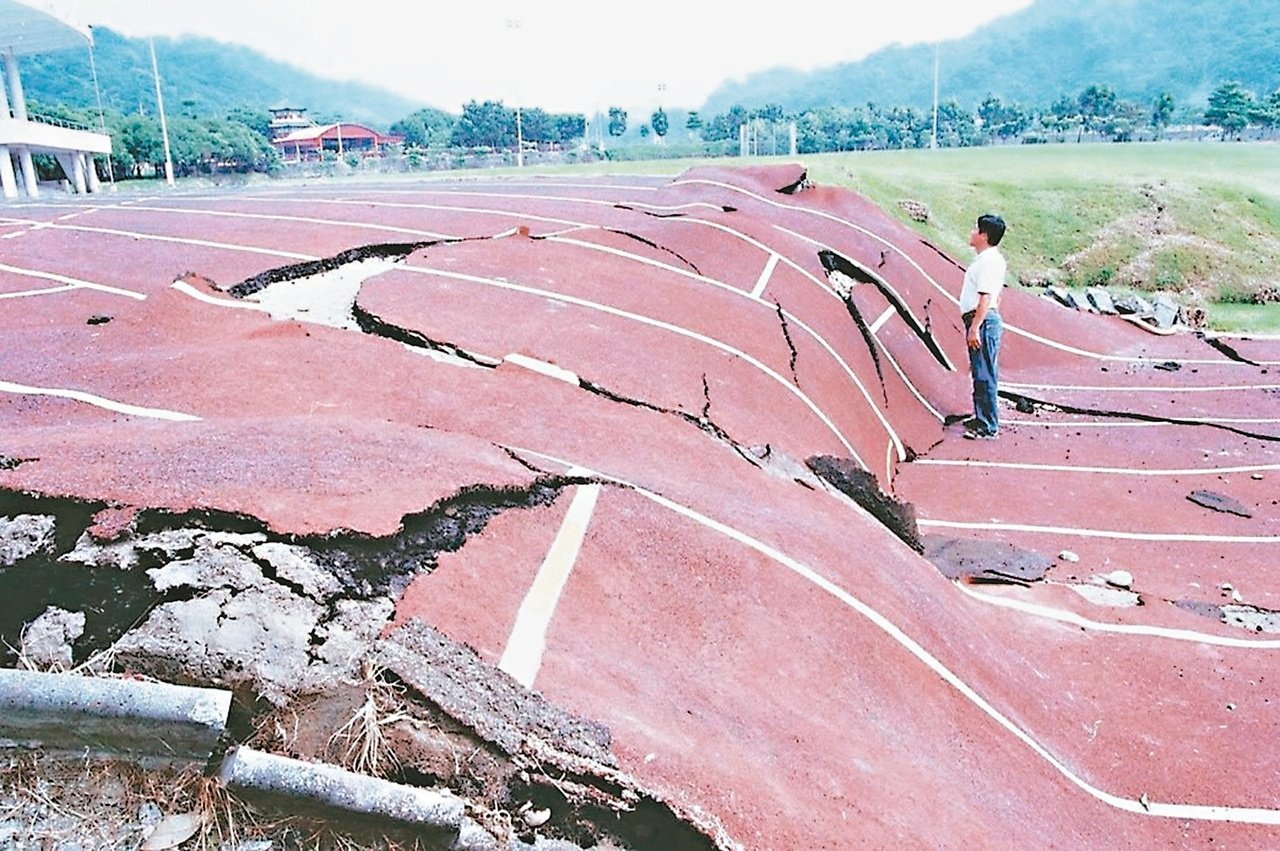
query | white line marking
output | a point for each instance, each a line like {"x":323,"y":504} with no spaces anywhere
{"x":1182,"y":422}
{"x":1100,"y":533}
{"x":1141,"y":389}
{"x":1064,"y":616}
{"x":187,"y":289}
{"x":1125,"y":471}
{"x":882,"y":318}
{"x":288,"y":218}
{"x":99,"y":401}
{"x":187,"y":241}
{"x":791,"y":319}
{"x":45,"y":291}
{"x":559,"y":373}
{"x":72,"y":282}
{"x":765,"y":274}
{"x":528,"y":641}
{"x":943,"y":290}
{"x":1199,"y":812}
{"x":655,"y":323}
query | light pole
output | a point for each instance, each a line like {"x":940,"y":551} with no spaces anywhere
{"x":933,"y":140}
{"x":164,"y":126}
{"x":514,"y":26}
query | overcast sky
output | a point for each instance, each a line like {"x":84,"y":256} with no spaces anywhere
{"x":565,"y":56}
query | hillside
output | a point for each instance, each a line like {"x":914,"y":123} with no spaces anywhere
{"x":1139,"y":48}
{"x":202,"y":77}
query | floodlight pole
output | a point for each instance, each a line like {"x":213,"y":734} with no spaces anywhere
{"x":933,"y":139}
{"x":164,"y":127}
{"x":515,"y":25}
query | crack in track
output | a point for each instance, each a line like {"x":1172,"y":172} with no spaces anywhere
{"x":833,"y":262}
{"x":786,"y":335}
{"x":870,"y":340}
{"x":656,"y":246}
{"x":386,"y":250}
{"x":1225,"y":349}
{"x":1027,"y":404}
{"x":703,"y":421}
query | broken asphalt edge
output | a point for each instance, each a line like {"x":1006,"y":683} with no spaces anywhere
{"x":149,"y":722}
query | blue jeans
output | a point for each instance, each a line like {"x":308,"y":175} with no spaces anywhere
{"x":986,"y":373}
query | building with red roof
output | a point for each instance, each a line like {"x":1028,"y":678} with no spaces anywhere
{"x":309,"y":143}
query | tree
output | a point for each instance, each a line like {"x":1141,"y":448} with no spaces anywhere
{"x":617,"y":121}
{"x":570,"y":127}
{"x":1097,"y":108}
{"x":484,"y":125}
{"x":659,"y":122}
{"x":1002,"y":121}
{"x":1267,"y":112}
{"x":257,"y":120}
{"x":425,"y":128}
{"x":1162,"y":112}
{"x":1230,"y":106}
{"x":692,"y":122}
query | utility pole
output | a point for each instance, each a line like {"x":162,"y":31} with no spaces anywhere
{"x":933,"y":139}
{"x":514,"y":26}
{"x":164,"y":126}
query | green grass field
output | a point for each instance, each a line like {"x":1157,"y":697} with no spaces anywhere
{"x":1197,"y":220}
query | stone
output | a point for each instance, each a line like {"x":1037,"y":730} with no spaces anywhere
{"x":1119,"y":579}
{"x":1101,"y":300}
{"x":1165,"y":311}
{"x":1062,"y":296}
{"x":1067,"y":555}
{"x":47,"y":641}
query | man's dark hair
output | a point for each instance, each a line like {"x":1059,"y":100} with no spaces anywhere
{"x":993,"y":226}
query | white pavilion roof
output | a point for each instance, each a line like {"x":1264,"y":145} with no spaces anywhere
{"x":36,"y":26}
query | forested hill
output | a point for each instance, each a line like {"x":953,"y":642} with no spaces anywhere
{"x":1139,"y":48}
{"x":200,"y":77}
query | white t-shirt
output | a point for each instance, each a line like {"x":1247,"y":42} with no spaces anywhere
{"x":984,"y":275}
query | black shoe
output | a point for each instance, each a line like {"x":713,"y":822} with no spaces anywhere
{"x":972,"y":434}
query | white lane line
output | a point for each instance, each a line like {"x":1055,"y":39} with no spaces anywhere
{"x":1065,"y":616}
{"x":1143,"y":807}
{"x":528,"y":640}
{"x":1223,"y":388}
{"x":941,"y":289}
{"x":98,"y":401}
{"x":1181,"y":423}
{"x":765,"y":274}
{"x":187,"y":289}
{"x":182,"y":240}
{"x":45,"y":291}
{"x":281,"y":217}
{"x":791,"y":319}
{"x":1123,"y":471}
{"x":71,"y":282}
{"x":882,"y":318}
{"x":654,"y":323}
{"x":550,"y":370}
{"x":1074,"y":531}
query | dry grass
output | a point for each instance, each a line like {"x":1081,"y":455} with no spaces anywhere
{"x":363,"y":746}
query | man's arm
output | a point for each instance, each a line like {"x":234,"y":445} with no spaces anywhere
{"x":979,"y":314}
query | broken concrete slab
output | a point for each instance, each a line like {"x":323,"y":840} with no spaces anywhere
{"x":111,"y":716}
{"x":23,"y":535}
{"x":486,"y":699}
{"x":1062,"y":296}
{"x":1215,"y":501}
{"x":1165,"y":311}
{"x":1100,"y":300}
{"x":47,"y":640}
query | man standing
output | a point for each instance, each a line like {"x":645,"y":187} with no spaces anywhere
{"x":979,"y":300}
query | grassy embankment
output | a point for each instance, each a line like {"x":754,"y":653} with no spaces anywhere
{"x":1200,"y":221}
